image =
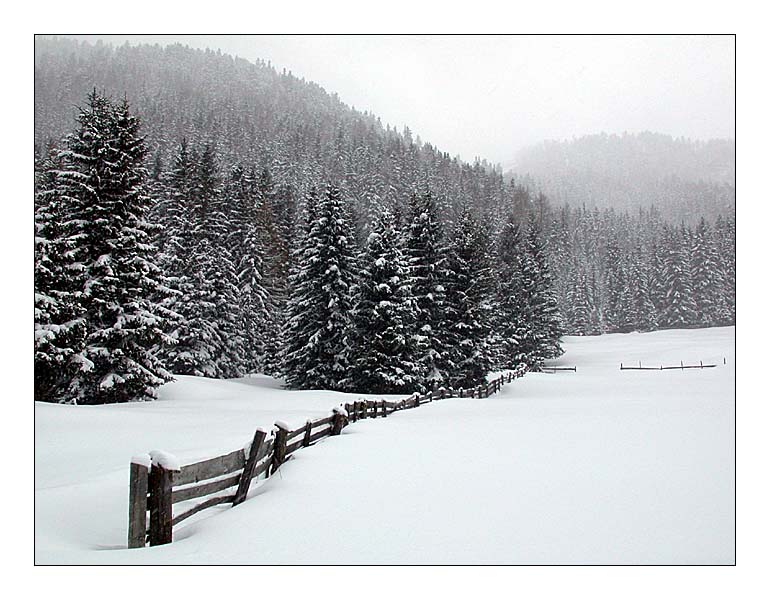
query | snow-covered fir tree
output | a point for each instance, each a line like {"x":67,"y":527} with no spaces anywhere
{"x":427,"y":262}
{"x":708,"y":279}
{"x":679,"y":307}
{"x":468,"y":309}
{"x":318,"y":323}
{"x":60,"y":326}
{"x":543,"y":329}
{"x":383,"y":350}
{"x":105,"y":208}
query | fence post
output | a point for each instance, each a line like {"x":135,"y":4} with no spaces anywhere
{"x":338,"y":422}
{"x":248,"y":468}
{"x":308,"y":429}
{"x":279,"y":446}
{"x":160,"y":505}
{"x":374,"y":416}
{"x":137,"y":502}
{"x":384,"y":408}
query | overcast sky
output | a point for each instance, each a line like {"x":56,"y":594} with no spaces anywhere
{"x":488,"y":96}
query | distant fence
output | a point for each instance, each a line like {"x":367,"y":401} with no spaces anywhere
{"x":157,"y":483}
{"x":681,"y":366}
{"x":546,"y":369}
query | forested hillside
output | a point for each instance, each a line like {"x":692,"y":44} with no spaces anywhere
{"x":252,"y":114}
{"x":199,"y":214}
{"x":685,"y":179}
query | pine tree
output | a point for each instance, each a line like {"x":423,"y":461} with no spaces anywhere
{"x":615,"y":285}
{"x":540,"y":340}
{"x":511,"y":315}
{"x":708,"y":280}
{"x":427,"y":261}
{"x":579,"y":306}
{"x":382,"y":352}
{"x":679,"y":308}
{"x":468,"y":313}
{"x":725,"y":236}
{"x":101,"y":186}
{"x":210,"y":334}
{"x":60,"y":326}
{"x":245,"y":246}
{"x":318,"y":326}
{"x":642,"y":310}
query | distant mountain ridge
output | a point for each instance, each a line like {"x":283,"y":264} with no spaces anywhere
{"x":628,"y":171}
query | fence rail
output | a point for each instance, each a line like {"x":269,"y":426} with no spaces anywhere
{"x":546,"y":369}
{"x":157,"y":483}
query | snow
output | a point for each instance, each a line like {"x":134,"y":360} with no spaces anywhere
{"x":598,"y":466}
{"x":165,"y":460}
{"x":142,"y":459}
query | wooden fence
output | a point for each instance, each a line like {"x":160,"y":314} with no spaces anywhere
{"x":546,"y":369}
{"x":156,"y":483}
{"x":681,"y":366}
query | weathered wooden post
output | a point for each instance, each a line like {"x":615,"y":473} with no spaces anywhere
{"x":159,"y":484}
{"x":374,"y":416}
{"x":306,"y":437}
{"x":384,"y":408}
{"x":338,"y":422}
{"x":248,"y":469}
{"x":279,"y":445}
{"x":137,"y":501}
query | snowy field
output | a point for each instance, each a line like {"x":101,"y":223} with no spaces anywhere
{"x":598,"y":466}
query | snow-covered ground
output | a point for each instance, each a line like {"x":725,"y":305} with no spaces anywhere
{"x":598,"y":466}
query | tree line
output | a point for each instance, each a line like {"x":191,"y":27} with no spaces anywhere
{"x":621,"y":272}
{"x":219,"y":272}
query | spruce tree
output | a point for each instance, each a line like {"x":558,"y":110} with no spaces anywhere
{"x":318,"y":324}
{"x":427,"y":278}
{"x":382,"y":352}
{"x":543,"y":329}
{"x":708,"y":279}
{"x":579,"y":307}
{"x":679,"y":308}
{"x":210,"y":333}
{"x":468,"y":312}
{"x":60,"y":325}
{"x":106,"y":207}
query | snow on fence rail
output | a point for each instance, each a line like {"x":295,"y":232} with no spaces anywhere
{"x":157,"y":482}
{"x":681,"y":366}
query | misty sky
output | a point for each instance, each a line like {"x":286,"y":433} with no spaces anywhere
{"x":488,"y":96}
